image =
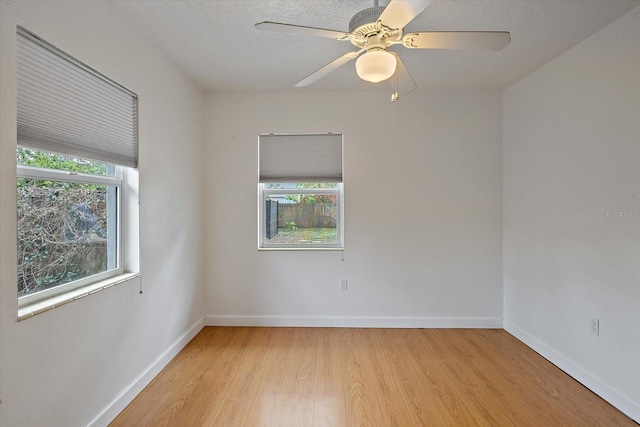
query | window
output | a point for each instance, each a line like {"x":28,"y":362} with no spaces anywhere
{"x":300,"y":192}
{"x":68,"y":223}
{"x":77,"y":137}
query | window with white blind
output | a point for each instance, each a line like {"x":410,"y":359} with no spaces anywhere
{"x":300,"y":191}
{"x":77,"y":134}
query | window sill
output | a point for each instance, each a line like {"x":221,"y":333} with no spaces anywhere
{"x":36,"y":308}
{"x":300,"y":249}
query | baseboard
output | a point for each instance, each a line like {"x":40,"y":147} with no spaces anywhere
{"x":627,"y":406}
{"x":355,"y":322}
{"x":125,"y":397}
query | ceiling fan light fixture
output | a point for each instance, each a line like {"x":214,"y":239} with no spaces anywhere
{"x":376,"y":65}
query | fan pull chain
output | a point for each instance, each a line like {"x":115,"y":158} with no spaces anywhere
{"x":394,"y":86}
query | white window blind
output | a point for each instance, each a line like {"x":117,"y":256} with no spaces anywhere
{"x":67,"y":107}
{"x":301,"y":158}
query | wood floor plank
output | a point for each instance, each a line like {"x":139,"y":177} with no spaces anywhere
{"x":329,"y":377}
{"x":329,"y":397}
{"x":405,"y":354}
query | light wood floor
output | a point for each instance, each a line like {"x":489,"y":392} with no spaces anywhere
{"x":363,"y":377}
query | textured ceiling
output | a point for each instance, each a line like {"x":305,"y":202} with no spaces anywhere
{"x":215,"y":41}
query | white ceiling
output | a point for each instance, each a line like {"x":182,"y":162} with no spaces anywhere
{"x":215,"y":41}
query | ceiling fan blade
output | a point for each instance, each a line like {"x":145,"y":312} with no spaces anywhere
{"x":401,"y":81}
{"x":400,"y":12}
{"x":331,"y":66}
{"x":469,"y":40}
{"x":299,"y":29}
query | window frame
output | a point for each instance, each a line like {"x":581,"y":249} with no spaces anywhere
{"x":58,"y":175}
{"x":264,"y":193}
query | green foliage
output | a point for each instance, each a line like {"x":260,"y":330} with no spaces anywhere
{"x":292,"y":225}
{"x":317,"y":198}
{"x":306,"y":236}
{"x":30,"y":157}
{"x":309,"y":198}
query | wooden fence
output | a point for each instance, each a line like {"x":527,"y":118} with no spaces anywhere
{"x":307,"y":215}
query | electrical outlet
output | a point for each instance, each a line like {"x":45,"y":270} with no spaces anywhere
{"x":595,"y":327}
{"x":343,"y":284}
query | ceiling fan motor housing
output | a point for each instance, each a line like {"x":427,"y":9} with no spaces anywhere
{"x":364,"y":22}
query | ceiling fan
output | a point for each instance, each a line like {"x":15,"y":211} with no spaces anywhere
{"x":374,"y":29}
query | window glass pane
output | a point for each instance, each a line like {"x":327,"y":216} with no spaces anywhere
{"x":301,"y":219}
{"x":298,"y":185}
{"x":66,"y":231}
{"x":42,"y":159}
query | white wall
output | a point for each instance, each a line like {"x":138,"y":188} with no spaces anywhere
{"x":572,"y":154}
{"x":62,"y":367}
{"x":423,"y":204}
